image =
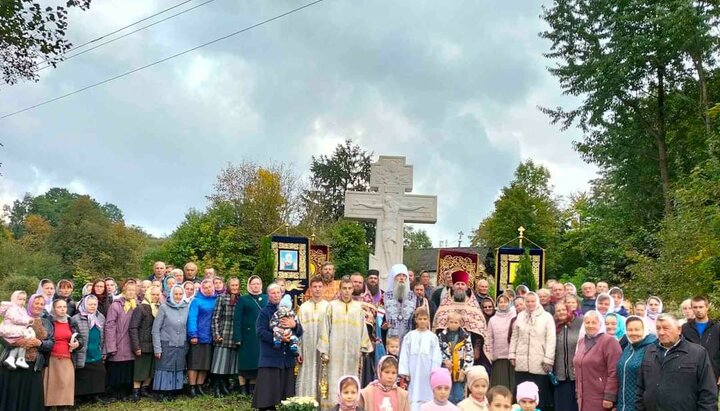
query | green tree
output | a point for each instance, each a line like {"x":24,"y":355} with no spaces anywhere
{"x":350,"y":252}
{"x":526,"y":202}
{"x":265,"y":267}
{"x":415,"y":239}
{"x":524,"y":273}
{"x":30,"y":33}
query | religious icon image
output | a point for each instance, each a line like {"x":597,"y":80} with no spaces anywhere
{"x":288,"y":260}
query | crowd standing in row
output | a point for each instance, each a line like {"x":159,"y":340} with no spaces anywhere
{"x":353,"y":346}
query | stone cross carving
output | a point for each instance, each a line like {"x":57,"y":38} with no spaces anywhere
{"x":387,"y":203}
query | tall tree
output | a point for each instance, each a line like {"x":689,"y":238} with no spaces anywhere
{"x":622,"y":59}
{"x":349,"y":250}
{"x":415,"y":239}
{"x":31,"y":33}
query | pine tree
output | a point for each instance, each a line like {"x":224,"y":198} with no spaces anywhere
{"x":524,"y":274}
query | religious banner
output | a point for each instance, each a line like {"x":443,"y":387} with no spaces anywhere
{"x":506,"y":264}
{"x":454,"y":260}
{"x":319,"y":255}
{"x":292,"y":263}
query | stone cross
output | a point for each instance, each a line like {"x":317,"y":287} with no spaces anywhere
{"x":391,"y":208}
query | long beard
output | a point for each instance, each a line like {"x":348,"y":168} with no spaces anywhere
{"x":459,"y":296}
{"x":374,"y":289}
{"x":400,"y":291}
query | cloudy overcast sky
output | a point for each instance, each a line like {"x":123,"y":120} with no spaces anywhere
{"x":451,"y":85}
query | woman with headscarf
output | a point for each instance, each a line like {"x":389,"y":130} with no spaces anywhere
{"x":118,"y":349}
{"x":46,"y":289}
{"x":574,"y":304}
{"x":628,"y":368}
{"x":224,"y":362}
{"x":22,"y":388}
{"x":604,"y":304}
{"x":87,"y":289}
{"x":532,"y":347}
{"x":653,"y":308}
{"x":167,"y":285}
{"x":111,"y":287}
{"x":219,"y":285}
{"x":595,"y":362}
{"x":618,"y":297}
{"x":141,"y":342}
{"x":169,"y":343}
{"x":570,"y":289}
{"x":245,"y":337}
{"x":567,"y":325}
{"x":487,"y":305}
{"x":59,"y":377}
{"x":199,"y":332}
{"x":499,"y":333}
{"x":100,"y":292}
{"x":521,"y":290}
{"x":64,"y":291}
{"x":89,"y":367}
{"x":615,"y":327}
{"x":190,"y":291}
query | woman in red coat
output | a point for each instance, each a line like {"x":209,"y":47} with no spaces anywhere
{"x":595,"y":364}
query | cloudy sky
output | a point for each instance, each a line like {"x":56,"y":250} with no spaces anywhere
{"x":453,"y":86}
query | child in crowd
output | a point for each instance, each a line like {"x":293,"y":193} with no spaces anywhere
{"x":457,"y":354}
{"x":419,"y":354}
{"x":17,"y":323}
{"x":392,"y":344}
{"x":499,"y":398}
{"x":383,"y":394}
{"x":282,"y":335}
{"x":348,"y":394}
{"x":476,"y":388}
{"x":528,"y":397}
{"x":441,"y":383}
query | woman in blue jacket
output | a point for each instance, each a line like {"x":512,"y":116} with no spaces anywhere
{"x":276,"y":367}
{"x":631,"y":360}
{"x":199,"y":331}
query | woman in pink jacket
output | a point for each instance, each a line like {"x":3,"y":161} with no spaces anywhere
{"x":595,"y":364}
{"x":118,"y":349}
{"x":499,"y":333}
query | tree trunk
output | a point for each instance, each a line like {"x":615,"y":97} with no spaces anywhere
{"x":661,"y":143}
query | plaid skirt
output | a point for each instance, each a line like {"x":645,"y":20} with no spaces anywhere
{"x":224,"y":361}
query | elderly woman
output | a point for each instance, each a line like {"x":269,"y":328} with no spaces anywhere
{"x":246,"y":314}
{"x":628,"y":368}
{"x":167,"y":285}
{"x":178,"y":275}
{"x":595,"y":362}
{"x":567,"y":325}
{"x":46,"y":289}
{"x":499,"y":332}
{"x":276,"y":376}
{"x":169,"y":343}
{"x":23,"y":388}
{"x":59,"y":377}
{"x":141,"y":342}
{"x":487,"y":305}
{"x":89,"y":367}
{"x":118,"y":348}
{"x":199,"y":332}
{"x":104,"y":300}
{"x":224,"y":362}
{"x":532,"y":347}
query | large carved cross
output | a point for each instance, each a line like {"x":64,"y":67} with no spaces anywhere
{"x":390,"y":206}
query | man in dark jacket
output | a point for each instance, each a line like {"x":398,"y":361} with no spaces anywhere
{"x":675,"y":375}
{"x":704,"y":331}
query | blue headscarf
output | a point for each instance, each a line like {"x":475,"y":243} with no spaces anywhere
{"x":620,"y":330}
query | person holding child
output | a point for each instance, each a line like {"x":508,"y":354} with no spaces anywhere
{"x":383,"y":393}
{"x":457,"y":354}
{"x":477,"y":384}
{"x":419,"y":354}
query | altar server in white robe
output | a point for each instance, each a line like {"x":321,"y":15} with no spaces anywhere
{"x":343,"y":340}
{"x":311,"y":315}
{"x":420,"y":353}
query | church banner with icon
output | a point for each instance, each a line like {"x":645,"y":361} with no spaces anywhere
{"x":292,"y":263}
{"x":319,"y":255}
{"x":507,"y":260}
{"x":454,"y":260}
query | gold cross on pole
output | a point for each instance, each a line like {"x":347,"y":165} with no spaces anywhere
{"x":521,"y":230}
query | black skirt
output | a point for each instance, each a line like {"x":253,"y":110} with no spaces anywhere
{"x":199,"y":357}
{"x":119,"y":373}
{"x":273,"y":385}
{"x":21,"y":389}
{"x":90,"y":379}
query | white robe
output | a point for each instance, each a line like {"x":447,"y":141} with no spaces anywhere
{"x":420,"y":353}
{"x":343,"y":337}
{"x":312,"y":316}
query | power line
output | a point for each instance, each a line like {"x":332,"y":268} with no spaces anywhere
{"x":127,"y":34}
{"x":127,"y":73}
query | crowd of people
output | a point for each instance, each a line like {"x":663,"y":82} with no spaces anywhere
{"x":352,"y":346}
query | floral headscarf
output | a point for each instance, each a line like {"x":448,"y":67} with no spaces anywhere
{"x":30,"y":302}
{"x":377,"y":382}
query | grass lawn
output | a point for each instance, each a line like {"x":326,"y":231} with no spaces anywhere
{"x":206,"y":403}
